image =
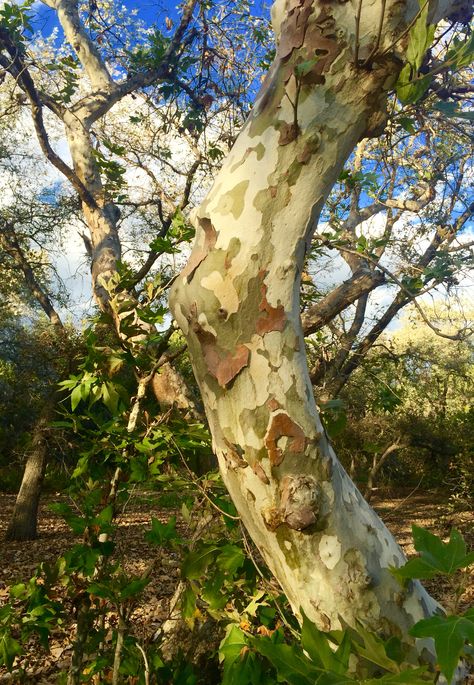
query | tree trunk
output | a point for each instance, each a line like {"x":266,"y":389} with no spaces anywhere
{"x":377,"y":465}
{"x":237,"y":302}
{"x":23,"y":524}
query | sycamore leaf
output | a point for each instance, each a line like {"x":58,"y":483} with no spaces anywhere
{"x":450,"y":634}
{"x":197,"y":561}
{"x":316,"y":644}
{"x":9,"y":649}
{"x":436,"y":557}
{"x":410,"y":86}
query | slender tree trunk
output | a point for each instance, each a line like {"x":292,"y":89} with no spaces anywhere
{"x":23,"y":524}
{"x":377,"y":465}
{"x":237,"y":302}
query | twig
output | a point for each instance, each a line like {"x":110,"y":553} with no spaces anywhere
{"x":357,"y":34}
{"x":145,"y":661}
{"x":400,"y":504}
{"x":199,"y":486}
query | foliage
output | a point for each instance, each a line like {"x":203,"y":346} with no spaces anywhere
{"x":414,"y":390}
{"x":329,"y":658}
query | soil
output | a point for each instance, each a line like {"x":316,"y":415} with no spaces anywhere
{"x":18,"y":561}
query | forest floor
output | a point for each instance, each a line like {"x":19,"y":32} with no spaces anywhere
{"x":18,"y":561}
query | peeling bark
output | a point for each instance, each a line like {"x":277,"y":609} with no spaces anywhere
{"x":325,"y":545}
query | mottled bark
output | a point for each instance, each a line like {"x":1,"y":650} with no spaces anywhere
{"x":237,"y":302}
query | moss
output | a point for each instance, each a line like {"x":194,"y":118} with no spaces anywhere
{"x":284,"y":538}
{"x":257,"y":419}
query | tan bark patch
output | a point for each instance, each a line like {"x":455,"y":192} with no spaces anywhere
{"x":198,"y":255}
{"x":228,"y":367}
{"x":282,"y":426}
{"x":288,"y":133}
{"x":260,"y":473}
{"x":273,"y":404}
{"x":232,"y":456}
{"x":271,"y":318}
{"x":223,"y":366}
{"x":293,"y":29}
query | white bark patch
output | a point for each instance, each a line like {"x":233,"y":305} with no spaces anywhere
{"x":224,"y":290}
{"x":256,"y":174}
{"x":280,"y":383}
{"x":181,"y":319}
{"x":326,"y":487}
{"x":258,"y":375}
{"x":329,"y":550}
{"x":205,"y":325}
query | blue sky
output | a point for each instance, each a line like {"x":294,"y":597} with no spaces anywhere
{"x":149,"y":11}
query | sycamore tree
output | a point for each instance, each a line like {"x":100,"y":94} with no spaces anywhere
{"x":237,"y":300}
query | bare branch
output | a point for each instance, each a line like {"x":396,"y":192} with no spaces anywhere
{"x":18,"y":70}
{"x":9,"y":242}
{"x":318,"y":315}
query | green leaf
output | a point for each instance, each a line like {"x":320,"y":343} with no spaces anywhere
{"x":451,"y":110}
{"x":163,"y":246}
{"x":134,"y":588}
{"x":188,"y":605}
{"x":106,"y":515}
{"x":420,"y":38}
{"x":373,"y":649}
{"x":212,"y":593}
{"x":196,"y":562}
{"x":9,"y":649}
{"x":162,"y":533}
{"x":240,"y":665}
{"x":100,"y":590}
{"x":230,"y":558}
{"x":76,"y":397}
{"x":407,"y":124}
{"x":294,"y":667}
{"x":436,"y":557}
{"x":256,"y":602}
{"x":413,"y":676}
{"x":316,"y":644}
{"x":450,"y":634}
{"x":410,"y":85}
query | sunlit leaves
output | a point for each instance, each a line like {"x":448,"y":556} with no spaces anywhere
{"x":411,"y":85}
{"x":435,"y":556}
{"x":15,"y":18}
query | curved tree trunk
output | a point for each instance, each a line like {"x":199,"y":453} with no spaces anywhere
{"x":23,"y":524}
{"x":237,"y":302}
{"x":377,"y":465}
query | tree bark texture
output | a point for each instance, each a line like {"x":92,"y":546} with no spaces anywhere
{"x":23,"y":524}
{"x":237,"y":302}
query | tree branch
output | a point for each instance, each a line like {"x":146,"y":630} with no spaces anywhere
{"x":340,"y":298}
{"x":9,"y":242}
{"x":16,"y":67}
